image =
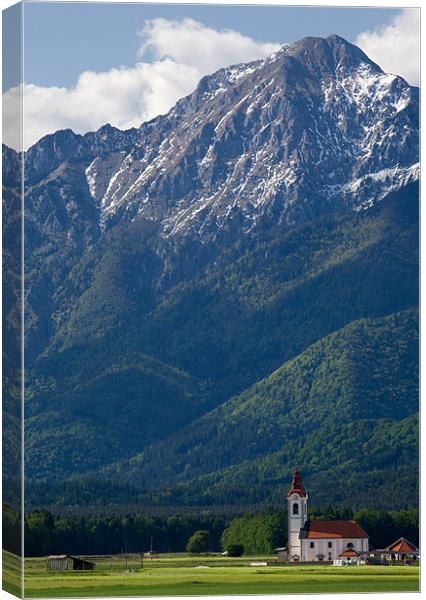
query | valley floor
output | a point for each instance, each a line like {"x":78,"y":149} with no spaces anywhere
{"x":186,"y":575}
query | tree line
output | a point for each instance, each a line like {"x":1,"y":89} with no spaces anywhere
{"x":255,"y":532}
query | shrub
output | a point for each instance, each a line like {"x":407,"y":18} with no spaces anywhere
{"x":199,"y":542}
{"x":235,"y":549}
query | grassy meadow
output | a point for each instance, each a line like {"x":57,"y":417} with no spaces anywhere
{"x":187,"y":575}
{"x":11,"y":573}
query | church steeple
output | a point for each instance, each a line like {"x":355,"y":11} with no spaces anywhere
{"x":296,"y":485}
{"x":297,"y":508}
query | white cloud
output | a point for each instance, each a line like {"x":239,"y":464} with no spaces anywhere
{"x":181,"y":52}
{"x":396,"y":46}
{"x":191,"y":43}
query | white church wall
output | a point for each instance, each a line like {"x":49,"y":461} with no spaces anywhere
{"x":321,"y":547}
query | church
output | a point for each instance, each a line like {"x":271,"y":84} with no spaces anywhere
{"x":317,"y":541}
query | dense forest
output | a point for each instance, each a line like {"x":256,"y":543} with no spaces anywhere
{"x":371,"y":454}
{"x":256,"y":532}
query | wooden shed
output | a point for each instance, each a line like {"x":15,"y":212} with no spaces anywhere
{"x":66,"y":562}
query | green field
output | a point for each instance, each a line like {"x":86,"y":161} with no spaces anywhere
{"x":185,"y":575}
{"x":11,"y":573}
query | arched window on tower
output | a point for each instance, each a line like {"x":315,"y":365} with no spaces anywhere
{"x":295,"y":508}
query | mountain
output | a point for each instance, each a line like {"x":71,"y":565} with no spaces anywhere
{"x":238,"y":148}
{"x":256,"y":141}
{"x":172,"y":267}
{"x":315,"y":128}
{"x":344,"y":410}
{"x":231,"y":326}
{"x":365,"y":371}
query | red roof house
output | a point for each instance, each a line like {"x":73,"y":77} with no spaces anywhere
{"x":400,"y":550}
{"x":402,"y":546}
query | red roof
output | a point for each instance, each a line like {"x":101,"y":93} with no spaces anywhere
{"x":402,"y":545}
{"x":333,"y":529}
{"x":350,"y":552}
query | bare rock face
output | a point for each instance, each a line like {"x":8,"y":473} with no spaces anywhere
{"x":313,"y":128}
{"x":316,"y":127}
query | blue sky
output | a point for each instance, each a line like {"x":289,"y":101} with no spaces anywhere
{"x":62,"y":40}
{"x":87,"y":64}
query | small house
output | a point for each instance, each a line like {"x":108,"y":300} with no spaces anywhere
{"x":400,"y":551}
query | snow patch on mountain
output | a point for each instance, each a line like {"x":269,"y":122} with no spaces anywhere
{"x":315,"y":126}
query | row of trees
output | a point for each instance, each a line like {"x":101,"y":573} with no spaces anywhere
{"x":49,"y":534}
{"x":249,"y":533}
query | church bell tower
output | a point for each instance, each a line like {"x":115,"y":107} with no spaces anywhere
{"x":297,"y":506}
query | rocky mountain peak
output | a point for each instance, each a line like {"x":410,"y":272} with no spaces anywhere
{"x":313,"y":128}
{"x":323,"y":57}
